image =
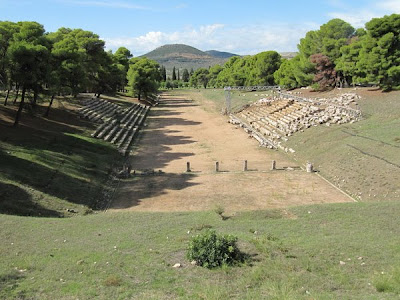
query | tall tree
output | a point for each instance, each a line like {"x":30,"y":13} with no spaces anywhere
{"x":28,"y":62}
{"x":213,"y":74}
{"x":173,"y":74}
{"x":200,"y":76}
{"x":325,"y":77}
{"x":7,"y":31}
{"x":379,"y":59}
{"x":261,"y":68}
{"x":143,"y":77}
{"x":185,"y":75}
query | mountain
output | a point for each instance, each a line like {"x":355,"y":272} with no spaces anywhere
{"x":176,"y":51}
{"x":220,"y":54}
{"x":183,"y":56}
{"x":288,"y":55}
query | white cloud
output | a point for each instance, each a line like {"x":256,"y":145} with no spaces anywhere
{"x":240,"y":40}
{"x":358,"y":16}
{"x":106,"y":3}
{"x":357,"y":19}
{"x":392,"y":6}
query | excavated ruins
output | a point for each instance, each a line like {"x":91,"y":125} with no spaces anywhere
{"x":271,"y":121}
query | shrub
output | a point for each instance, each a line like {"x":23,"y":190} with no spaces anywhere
{"x":211,"y":250}
{"x":219,"y":210}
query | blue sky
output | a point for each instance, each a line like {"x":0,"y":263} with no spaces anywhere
{"x":242,"y":27}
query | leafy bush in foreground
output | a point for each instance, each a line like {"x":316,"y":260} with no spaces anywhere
{"x":211,"y":250}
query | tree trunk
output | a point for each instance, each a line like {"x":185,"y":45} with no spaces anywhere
{"x":21,"y":106}
{"x":6,"y":99}
{"x":139,"y":95}
{"x":16,"y":95}
{"x":35,"y":96}
{"x":48,"y":108}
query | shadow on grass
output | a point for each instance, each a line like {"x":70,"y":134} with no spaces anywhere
{"x":8,"y":282}
{"x":140,"y":188}
{"x":56,"y":157}
{"x":15,"y":201}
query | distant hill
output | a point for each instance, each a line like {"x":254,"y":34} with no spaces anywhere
{"x":220,"y":54}
{"x":288,"y":55}
{"x":176,"y":51}
{"x":183,"y":56}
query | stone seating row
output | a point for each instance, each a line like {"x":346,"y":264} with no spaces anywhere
{"x":120,"y":126}
{"x":97,"y":110}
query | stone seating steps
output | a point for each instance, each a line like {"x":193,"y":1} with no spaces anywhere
{"x":88,"y":109}
{"x":131,"y":111}
{"x":106,"y":129}
{"x":133,"y":117}
{"x":123,"y":134}
{"x":99,"y":109}
{"x":120,"y":126}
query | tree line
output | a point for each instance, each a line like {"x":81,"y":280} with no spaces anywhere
{"x":70,"y":61}
{"x":178,"y":79}
{"x":335,"y":55}
{"x":67,"y":62}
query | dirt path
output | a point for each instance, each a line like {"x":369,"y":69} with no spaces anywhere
{"x":181,"y":131}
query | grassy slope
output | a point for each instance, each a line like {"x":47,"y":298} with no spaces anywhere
{"x":362,"y":158}
{"x":296,"y":252}
{"x":130,"y":255}
{"x":50,"y":165}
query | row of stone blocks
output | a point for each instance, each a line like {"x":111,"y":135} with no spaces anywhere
{"x":97,"y":110}
{"x":122,"y":130}
{"x":271,"y":123}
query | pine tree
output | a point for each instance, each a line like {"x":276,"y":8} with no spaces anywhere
{"x":179,"y":76}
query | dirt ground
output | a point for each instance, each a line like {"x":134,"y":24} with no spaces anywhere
{"x":178,"y":131}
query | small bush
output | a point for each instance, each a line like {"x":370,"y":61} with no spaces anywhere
{"x":211,"y":250}
{"x":219,"y":210}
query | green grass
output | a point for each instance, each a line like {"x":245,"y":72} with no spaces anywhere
{"x":213,"y":100}
{"x":295,"y":254}
{"x":130,"y":255}
{"x":362,"y":158}
{"x":50,"y":165}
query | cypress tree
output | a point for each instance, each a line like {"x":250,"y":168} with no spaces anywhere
{"x":173,"y":74}
{"x":185,"y":75}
